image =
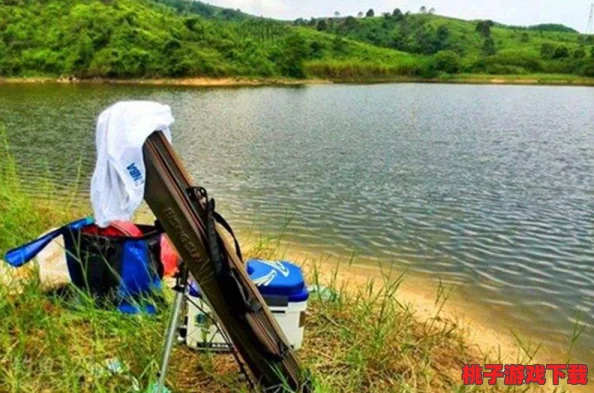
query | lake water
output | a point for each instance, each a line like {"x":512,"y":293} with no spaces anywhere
{"x":491,"y":186}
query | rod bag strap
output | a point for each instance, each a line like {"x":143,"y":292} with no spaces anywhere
{"x":224,"y":271}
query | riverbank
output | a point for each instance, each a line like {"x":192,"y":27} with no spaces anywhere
{"x":481,"y":335}
{"x":369,"y":331}
{"x":471,"y":79}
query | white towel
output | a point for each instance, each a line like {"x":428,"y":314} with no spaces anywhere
{"x":117,"y":187}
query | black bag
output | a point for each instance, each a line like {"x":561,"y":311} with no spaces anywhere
{"x":115,"y":270}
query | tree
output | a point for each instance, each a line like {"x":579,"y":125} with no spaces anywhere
{"x":447,"y":61}
{"x":360,"y":14}
{"x":350,"y":22}
{"x":561,"y":52}
{"x":312,"y":22}
{"x":547,"y":50}
{"x":425,"y":42}
{"x":525,"y":37}
{"x":336,"y":14}
{"x":339,"y":45}
{"x":322,"y":25}
{"x":397,"y":14}
{"x":592,"y":52}
{"x":442,"y":33}
{"x":317,"y":49}
{"x":489,"y":47}
{"x":423,"y":10}
{"x":484,"y":28}
{"x":432,"y":11}
{"x":370,"y":13}
{"x":295,"y":53}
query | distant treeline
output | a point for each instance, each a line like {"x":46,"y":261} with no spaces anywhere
{"x":206,"y":10}
{"x":469,"y":47}
{"x":543,"y":27}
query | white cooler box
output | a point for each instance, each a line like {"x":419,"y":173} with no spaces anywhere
{"x":281,"y":284}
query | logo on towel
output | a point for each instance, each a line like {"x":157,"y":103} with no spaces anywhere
{"x":266,"y":279}
{"x":135,"y":174}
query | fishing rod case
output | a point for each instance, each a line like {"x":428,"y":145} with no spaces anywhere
{"x":189,"y":218}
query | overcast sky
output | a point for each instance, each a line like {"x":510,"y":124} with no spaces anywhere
{"x":573,"y":13}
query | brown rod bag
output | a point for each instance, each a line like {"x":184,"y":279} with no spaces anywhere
{"x":189,"y":219}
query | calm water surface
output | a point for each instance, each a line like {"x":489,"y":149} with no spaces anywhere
{"x":491,"y":186}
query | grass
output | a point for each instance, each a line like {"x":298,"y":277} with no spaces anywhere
{"x":359,"y":339}
{"x":534,"y":79}
{"x":21,"y":216}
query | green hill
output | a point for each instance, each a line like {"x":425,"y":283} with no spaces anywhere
{"x":143,"y":38}
{"x":183,"y":38}
{"x":471,"y":46}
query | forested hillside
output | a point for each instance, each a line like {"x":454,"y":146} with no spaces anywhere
{"x":470,"y":46}
{"x":182,"y":38}
{"x":143,"y":38}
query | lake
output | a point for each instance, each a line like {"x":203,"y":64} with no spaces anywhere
{"x":491,"y":186}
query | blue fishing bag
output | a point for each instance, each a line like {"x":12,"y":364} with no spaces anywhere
{"x":123,"y":271}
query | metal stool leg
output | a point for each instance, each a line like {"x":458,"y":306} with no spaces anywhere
{"x":180,"y":288}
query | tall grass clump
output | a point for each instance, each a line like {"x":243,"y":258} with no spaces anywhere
{"x":22,"y":215}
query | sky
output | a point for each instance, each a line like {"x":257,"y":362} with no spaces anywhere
{"x":573,"y":13}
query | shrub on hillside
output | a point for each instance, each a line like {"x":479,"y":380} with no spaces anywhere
{"x":561,"y":52}
{"x":447,"y":61}
{"x":547,"y":50}
{"x":579,"y":53}
{"x":588,"y":70}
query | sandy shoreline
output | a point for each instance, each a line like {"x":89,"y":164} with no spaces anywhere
{"x":481,"y":331}
{"x":195,"y":82}
{"x":470,"y":79}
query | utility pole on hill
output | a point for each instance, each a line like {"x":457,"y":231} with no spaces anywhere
{"x":590,"y":20}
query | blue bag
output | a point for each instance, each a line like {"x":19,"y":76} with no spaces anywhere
{"x":19,"y":256}
{"x":123,"y":271}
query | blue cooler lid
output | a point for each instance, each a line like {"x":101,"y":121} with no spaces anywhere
{"x":275,"y":280}
{"x":279,"y":279}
